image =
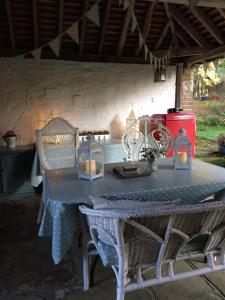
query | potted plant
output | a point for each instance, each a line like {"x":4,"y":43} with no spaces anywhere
{"x":10,"y":138}
{"x":151,"y":155}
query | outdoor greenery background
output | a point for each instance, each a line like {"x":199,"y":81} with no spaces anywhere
{"x":209,"y":106}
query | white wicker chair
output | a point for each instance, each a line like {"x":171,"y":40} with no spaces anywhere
{"x":57,"y":145}
{"x":133,"y":241}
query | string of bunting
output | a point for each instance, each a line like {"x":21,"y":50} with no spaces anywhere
{"x":93,"y":15}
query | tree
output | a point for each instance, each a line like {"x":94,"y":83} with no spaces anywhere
{"x":207,"y":78}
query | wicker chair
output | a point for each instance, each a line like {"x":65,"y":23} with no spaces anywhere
{"x":134,"y":241}
{"x":57,"y":145}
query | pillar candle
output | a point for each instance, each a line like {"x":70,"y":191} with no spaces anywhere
{"x":93,"y":167}
{"x":182,"y":157}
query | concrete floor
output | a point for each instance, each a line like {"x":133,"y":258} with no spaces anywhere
{"x":27,"y":271}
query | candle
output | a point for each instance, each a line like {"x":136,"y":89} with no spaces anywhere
{"x":93,"y":167}
{"x":182,"y":157}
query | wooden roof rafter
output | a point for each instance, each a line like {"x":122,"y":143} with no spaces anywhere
{"x":146,"y":26}
{"x":82,"y":28}
{"x":126,"y":22}
{"x":222,"y":12}
{"x":208,"y":24}
{"x":35,"y":22}
{"x":206,"y":3}
{"x":10,"y":24}
{"x":104,"y":26}
{"x":162,"y":35}
{"x":187,"y":26}
{"x":175,"y":39}
{"x":60,"y":19}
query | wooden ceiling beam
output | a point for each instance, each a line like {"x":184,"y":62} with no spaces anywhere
{"x":10,"y":24}
{"x":35,"y":22}
{"x":146,"y":27}
{"x":206,"y":3}
{"x":161,"y":37}
{"x":205,"y":20}
{"x":172,"y":27}
{"x":209,"y":55}
{"x":182,"y":39}
{"x":181,"y":19}
{"x":83,"y":26}
{"x":71,"y":54}
{"x":60,"y":19}
{"x":104,"y":25}
{"x":222,"y":12}
{"x":126,"y":22}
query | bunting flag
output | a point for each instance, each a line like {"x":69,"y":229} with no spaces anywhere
{"x":73,"y":32}
{"x":36,"y":53}
{"x":54,"y":45}
{"x":155,"y":62}
{"x":134,"y":22}
{"x":93,"y":14}
{"x":215,"y":62}
{"x":141,"y":40}
{"x":126,"y":4}
{"x":205,"y":66}
{"x":151,"y":57}
{"x":193,"y":3}
{"x":146,"y":52}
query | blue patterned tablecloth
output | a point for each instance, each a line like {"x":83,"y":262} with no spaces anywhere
{"x":64,"y":191}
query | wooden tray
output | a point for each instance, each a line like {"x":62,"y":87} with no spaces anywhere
{"x":120,"y":172}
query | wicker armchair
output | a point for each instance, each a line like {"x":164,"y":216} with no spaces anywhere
{"x":134,"y":241}
{"x":57,"y":145}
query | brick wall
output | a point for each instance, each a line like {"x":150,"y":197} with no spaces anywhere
{"x":187,"y":90}
{"x":92,"y":96}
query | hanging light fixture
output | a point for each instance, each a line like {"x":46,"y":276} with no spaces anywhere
{"x":160,"y":74}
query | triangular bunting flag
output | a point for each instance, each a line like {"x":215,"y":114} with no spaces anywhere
{"x":126,"y":4}
{"x":141,"y":40}
{"x":205,"y":66}
{"x":73,"y":32}
{"x":54,"y":44}
{"x":163,"y":63}
{"x":36,"y":53}
{"x":215,"y":62}
{"x":134,"y":22}
{"x":193,"y":3}
{"x":151,"y":57}
{"x":159,"y":62}
{"x":146,"y":52}
{"x":155,"y":62}
{"x":93,"y":14}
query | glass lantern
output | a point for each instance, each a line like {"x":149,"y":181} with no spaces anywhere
{"x":182,"y":156}
{"x":90,"y":160}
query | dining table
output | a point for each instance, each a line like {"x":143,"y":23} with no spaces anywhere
{"x":64,"y":192}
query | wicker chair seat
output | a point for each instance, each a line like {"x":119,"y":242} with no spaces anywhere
{"x":132,"y":240}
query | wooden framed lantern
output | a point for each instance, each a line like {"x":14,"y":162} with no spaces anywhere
{"x":182,"y":155}
{"x":90,"y":160}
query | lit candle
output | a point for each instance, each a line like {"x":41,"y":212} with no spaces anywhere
{"x":93,"y":167}
{"x":182,"y":157}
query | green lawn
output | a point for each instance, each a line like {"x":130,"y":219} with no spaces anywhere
{"x":210,"y":123}
{"x":209,"y":132}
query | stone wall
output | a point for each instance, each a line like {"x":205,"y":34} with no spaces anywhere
{"x":92,"y":96}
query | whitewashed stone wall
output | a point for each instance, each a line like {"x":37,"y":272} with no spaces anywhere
{"x":92,"y":96}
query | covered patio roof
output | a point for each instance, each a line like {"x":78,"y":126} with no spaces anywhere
{"x":193,"y":35}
